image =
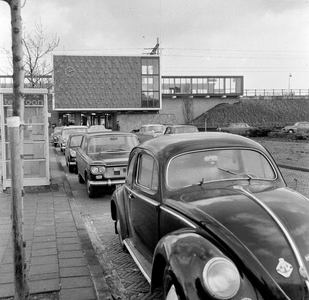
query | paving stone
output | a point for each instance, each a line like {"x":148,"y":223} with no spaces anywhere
{"x":42,"y":286}
{"x":70,"y":254}
{"x":73,"y":272}
{"x":72,"y":262}
{"x":6,"y":277}
{"x":77,"y":294}
{"x":36,"y":277}
{"x":44,"y":260}
{"x":72,"y":240}
{"x":76,"y":282}
{"x":44,"y":269}
{"x":44,"y":252}
{"x":45,"y":245}
{"x":48,"y":238}
{"x":6,"y":290}
{"x":67,"y":234}
{"x":69,"y":247}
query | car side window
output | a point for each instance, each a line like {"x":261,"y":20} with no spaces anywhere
{"x":84,"y":144}
{"x":147,"y":176}
{"x":129,"y":177}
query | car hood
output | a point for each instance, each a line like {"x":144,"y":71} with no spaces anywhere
{"x":248,"y":220}
{"x":110,"y":158}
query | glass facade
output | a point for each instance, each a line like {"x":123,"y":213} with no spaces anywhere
{"x":150,"y":83}
{"x":203,"y":86}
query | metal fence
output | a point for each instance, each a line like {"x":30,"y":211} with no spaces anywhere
{"x":264,"y":93}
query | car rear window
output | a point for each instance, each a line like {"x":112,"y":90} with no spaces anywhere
{"x":111,"y":143}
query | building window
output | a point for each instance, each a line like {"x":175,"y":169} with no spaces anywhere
{"x":150,"y":83}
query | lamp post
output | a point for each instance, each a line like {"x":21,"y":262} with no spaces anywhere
{"x":290,"y":75}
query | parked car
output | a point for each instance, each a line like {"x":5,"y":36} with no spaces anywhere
{"x":73,"y":142}
{"x":175,"y":129}
{"x":208,"y":216}
{"x":149,"y":131}
{"x":55,"y":135}
{"x":102,"y":159}
{"x":237,"y":128}
{"x":297,"y":127}
{"x":66,"y":131}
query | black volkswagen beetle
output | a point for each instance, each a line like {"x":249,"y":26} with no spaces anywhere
{"x":209,"y":216}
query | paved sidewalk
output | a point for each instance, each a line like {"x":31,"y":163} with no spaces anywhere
{"x":59,"y":254}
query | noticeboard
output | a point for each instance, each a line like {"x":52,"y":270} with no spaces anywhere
{"x":35,"y":137}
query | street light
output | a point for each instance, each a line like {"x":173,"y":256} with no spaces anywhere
{"x":290,"y":75}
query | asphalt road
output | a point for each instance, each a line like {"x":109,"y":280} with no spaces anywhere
{"x":122,"y":274}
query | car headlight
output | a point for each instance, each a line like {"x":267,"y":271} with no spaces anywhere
{"x":221,"y":278}
{"x":97,"y":170}
{"x":72,"y":153}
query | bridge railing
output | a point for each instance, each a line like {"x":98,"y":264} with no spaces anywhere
{"x":276,"y":92}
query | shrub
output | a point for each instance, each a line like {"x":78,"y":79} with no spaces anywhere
{"x":260,"y":131}
{"x":301,"y":135}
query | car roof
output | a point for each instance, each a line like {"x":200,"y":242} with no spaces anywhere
{"x":74,"y":127}
{"x":180,"y":126}
{"x":170,"y":145}
{"x":152,"y":125}
{"x":106,"y":132}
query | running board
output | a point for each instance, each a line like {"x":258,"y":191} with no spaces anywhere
{"x":143,"y":264}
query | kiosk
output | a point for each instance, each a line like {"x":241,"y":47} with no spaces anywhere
{"x":35,"y":137}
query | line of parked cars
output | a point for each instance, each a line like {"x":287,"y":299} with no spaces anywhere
{"x":247,"y":130}
{"x":205,"y":215}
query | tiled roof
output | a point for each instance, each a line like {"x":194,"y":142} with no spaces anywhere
{"x":102,"y":82}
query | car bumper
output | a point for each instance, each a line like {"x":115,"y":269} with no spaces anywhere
{"x":108,"y":182}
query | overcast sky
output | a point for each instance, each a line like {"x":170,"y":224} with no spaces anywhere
{"x":262,"y":40}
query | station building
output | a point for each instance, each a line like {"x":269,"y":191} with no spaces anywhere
{"x":130,"y":91}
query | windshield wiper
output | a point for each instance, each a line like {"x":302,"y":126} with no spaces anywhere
{"x":228,"y":171}
{"x":115,"y":149}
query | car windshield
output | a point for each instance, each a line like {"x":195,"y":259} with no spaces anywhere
{"x":57,"y":130}
{"x":206,"y":166}
{"x":111,"y":143}
{"x":155,"y":128}
{"x":75,"y":141}
{"x":186,"y":129}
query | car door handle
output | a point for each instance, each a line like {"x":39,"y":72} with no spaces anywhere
{"x":131,"y":196}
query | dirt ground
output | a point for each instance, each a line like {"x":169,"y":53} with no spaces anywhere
{"x":289,"y":152}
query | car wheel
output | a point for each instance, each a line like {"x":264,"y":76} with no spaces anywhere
{"x":71,"y":168}
{"x":80,"y":178}
{"x":90,"y":188}
{"x":120,"y":237}
{"x":169,"y":289}
{"x":291,"y":131}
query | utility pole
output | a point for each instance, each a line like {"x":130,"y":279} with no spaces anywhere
{"x":15,"y":129}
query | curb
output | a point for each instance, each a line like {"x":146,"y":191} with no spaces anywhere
{"x":302,"y":169}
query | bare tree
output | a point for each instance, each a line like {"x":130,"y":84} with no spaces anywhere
{"x":187,"y":106}
{"x":38,"y":46}
{"x":15,"y":145}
